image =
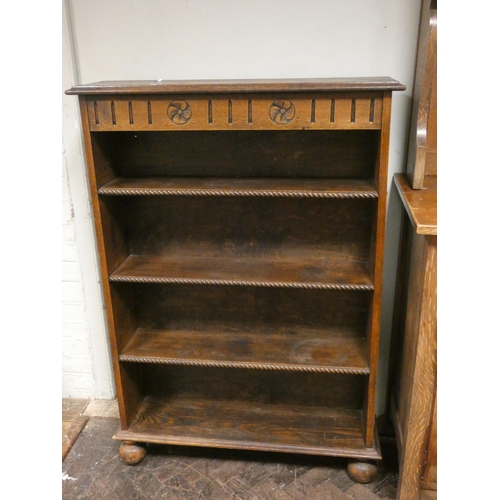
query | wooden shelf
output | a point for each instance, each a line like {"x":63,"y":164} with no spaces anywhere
{"x":319,"y":351}
{"x":214,"y":186}
{"x":420,"y":204}
{"x":300,"y":272}
{"x":237,"y":424}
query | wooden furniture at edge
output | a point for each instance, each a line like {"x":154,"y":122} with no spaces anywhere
{"x":240,"y":227}
{"x":413,"y":377}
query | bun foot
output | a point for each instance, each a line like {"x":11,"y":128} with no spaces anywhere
{"x":362,"y":471}
{"x":132,"y":453}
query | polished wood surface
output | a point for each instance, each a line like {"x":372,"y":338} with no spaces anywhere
{"x":241,"y":226}
{"x":421,"y":205}
{"x":362,"y":471}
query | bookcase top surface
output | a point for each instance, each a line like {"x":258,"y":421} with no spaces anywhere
{"x":160,"y":86}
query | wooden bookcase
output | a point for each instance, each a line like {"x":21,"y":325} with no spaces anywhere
{"x":240,"y":227}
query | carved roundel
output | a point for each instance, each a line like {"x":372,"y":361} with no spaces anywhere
{"x":179,"y":112}
{"x":282,"y":111}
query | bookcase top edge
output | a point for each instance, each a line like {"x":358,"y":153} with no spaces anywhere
{"x":118,"y":87}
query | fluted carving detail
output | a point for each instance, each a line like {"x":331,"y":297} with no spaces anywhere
{"x":255,"y":366}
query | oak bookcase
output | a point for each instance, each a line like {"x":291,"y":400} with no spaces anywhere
{"x":240,"y":227}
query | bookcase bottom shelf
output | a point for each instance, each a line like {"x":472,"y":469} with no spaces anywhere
{"x":181,"y":420}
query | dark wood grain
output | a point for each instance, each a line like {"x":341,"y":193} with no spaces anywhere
{"x":249,"y":154}
{"x":280,"y":350}
{"x":235,"y":424}
{"x":294,"y":388}
{"x":224,"y":86}
{"x":335,"y":231}
{"x":247,"y":309}
{"x":303,"y":272}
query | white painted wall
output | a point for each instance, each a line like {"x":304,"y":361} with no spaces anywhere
{"x":203,"y":39}
{"x":86,"y":367}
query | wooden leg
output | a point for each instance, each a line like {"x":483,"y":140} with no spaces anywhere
{"x":362,"y":471}
{"x":132,"y":453}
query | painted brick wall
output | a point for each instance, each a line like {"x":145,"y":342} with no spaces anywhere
{"x":77,"y":372}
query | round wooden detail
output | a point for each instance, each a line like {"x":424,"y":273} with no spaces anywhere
{"x":179,"y":112}
{"x":132,"y":453}
{"x":282,"y":111}
{"x":362,"y":471}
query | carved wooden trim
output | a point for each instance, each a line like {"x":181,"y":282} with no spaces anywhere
{"x":236,"y":364}
{"x":282,"y":111}
{"x":179,"y":112}
{"x":271,"y":284}
{"x":238,"y":112}
{"x":236,"y":192}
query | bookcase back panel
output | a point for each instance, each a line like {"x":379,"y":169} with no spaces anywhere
{"x":255,"y":386}
{"x":294,"y":154}
{"x":257,"y":310}
{"x":245,"y":226}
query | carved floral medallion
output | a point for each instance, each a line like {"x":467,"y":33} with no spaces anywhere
{"x":282,"y":111}
{"x":179,"y":112}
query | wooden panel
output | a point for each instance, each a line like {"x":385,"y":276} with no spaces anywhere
{"x":125,"y":322}
{"x":415,"y":398}
{"x":235,"y":112}
{"x":128,"y":396}
{"x":269,"y":154}
{"x":226,"y":186}
{"x":293,"y":388}
{"x":429,"y":477}
{"x":278,"y":351}
{"x":376,"y":266}
{"x":247,"y":227}
{"x":231,"y":86}
{"x":248,"y":309}
{"x":428,"y":495}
